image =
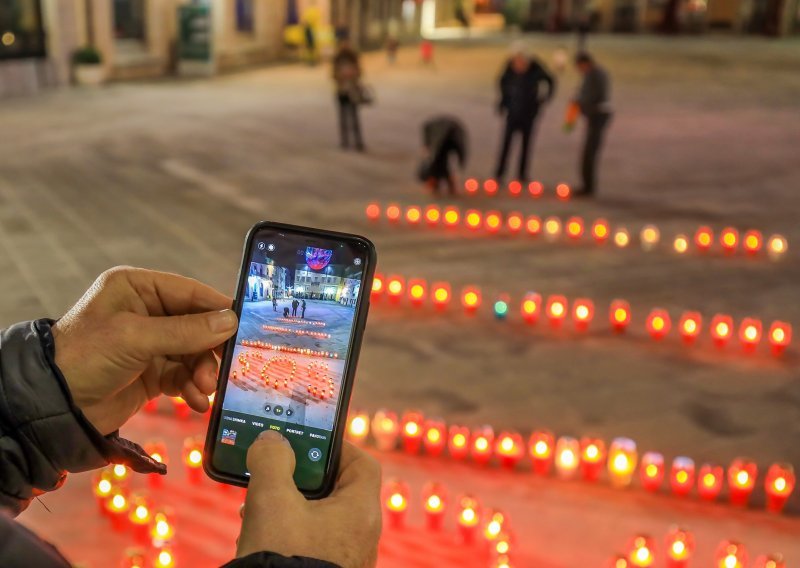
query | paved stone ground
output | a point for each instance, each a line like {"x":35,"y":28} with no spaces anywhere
{"x":170,"y":175}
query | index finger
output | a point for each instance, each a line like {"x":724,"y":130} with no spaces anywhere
{"x":171,"y":294}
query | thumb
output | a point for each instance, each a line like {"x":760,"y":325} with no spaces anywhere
{"x":185,"y":334}
{"x":271,"y":462}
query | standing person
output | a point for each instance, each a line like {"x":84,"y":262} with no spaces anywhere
{"x":295,"y":303}
{"x":347,"y":77}
{"x":303,"y":309}
{"x":442,"y":137}
{"x":311,"y":42}
{"x":274,"y":302}
{"x":520,"y":99}
{"x":594,"y":103}
{"x":392,"y":45}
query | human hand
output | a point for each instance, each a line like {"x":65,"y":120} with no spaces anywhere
{"x":136,"y":334}
{"x":343,"y":528}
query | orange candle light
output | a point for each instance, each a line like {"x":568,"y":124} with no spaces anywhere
{"x":622,"y":460}
{"x":621,"y":237}
{"x":373,"y":211}
{"x":469,"y":518}
{"x":753,"y":242}
{"x":556,"y":310}
{"x":731,"y":554}
{"x":567,"y":460}
{"x":193,"y":458}
{"x":435,"y":437}
{"x":641,"y":551}
{"x":649,"y":237}
{"x":531,"y":307}
{"x":742,"y":475}
{"x":412,"y":432}
{"x":385,"y":429}
{"x":541,"y":447}
{"x":703,"y":239}
{"x":535,"y":189}
{"x":451,"y":217}
{"x":574,"y":228}
{"x":777,"y":246}
{"x":651,"y":471}
{"x":417,"y":291}
{"x":117,"y":507}
{"x":533,"y":225}
{"x":440,"y":294}
{"x":509,"y":449}
{"x":378,"y":286}
{"x":619,"y":314}
{"x":490,"y":187}
{"x":514,"y":188}
{"x":750,"y":331}
{"x":393,"y":213}
{"x":682,"y":476}
{"x":495,"y":524}
{"x":102,"y":487}
{"x":593,"y":455}
{"x":779,"y":485}
{"x":357,"y":427}
{"x":395,"y":286}
{"x":563,"y":192}
{"x":658,"y":323}
{"x":493,"y":221}
{"x":618,"y":561}
{"x":481,"y":447}
{"x":434,"y":502}
{"x":140,"y":516}
{"x":473,"y":219}
{"x":582,"y":313}
{"x":165,"y":558}
{"x":433,"y":215}
{"x":770,"y":561}
{"x":780,"y":336}
{"x":690,"y":326}
{"x":729,"y":240}
{"x":552,"y":228}
{"x":458,"y":442}
{"x":709,"y":482}
{"x":471,"y":186}
{"x":120,"y":474}
{"x":395,"y":502}
{"x":601,"y":231}
{"x":514,"y":222}
{"x":162,"y":529}
{"x":721,"y":329}
{"x":471,"y":299}
{"x":681,"y":244}
{"x":680,"y":547}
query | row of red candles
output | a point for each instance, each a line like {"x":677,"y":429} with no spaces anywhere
{"x":515,"y":188}
{"x":751,"y":242}
{"x":641,"y":552}
{"x":557,"y":310}
{"x":588,"y":457}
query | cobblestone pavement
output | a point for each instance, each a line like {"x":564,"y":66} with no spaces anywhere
{"x":170,"y":175}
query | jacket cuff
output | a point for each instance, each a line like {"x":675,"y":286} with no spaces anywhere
{"x":99,"y":450}
{"x":274,"y":560}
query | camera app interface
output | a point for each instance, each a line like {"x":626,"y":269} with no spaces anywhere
{"x":300,"y":297}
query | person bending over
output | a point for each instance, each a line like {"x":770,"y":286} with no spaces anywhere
{"x":67,"y":386}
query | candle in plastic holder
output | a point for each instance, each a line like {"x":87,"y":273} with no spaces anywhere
{"x":102,"y":487}
{"x":651,"y":471}
{"x":710,"y":481}
{"x":742,"y":475}
{"x":458,"y":442}
{"x":412,"y":431}
{"x":622,"y":459}
{"x":140,"y":516}
{"x":117,"y":506}
{"x":481,"y":447}
{"x":434,"y":502}
{"x":779,"y":485}
{"x":162,"y":529}
{"x":593,"y":455}
{"x":385,"y":429}
{"x":157,"y":450}
{"x":357,"y":427}
{"x":680,"y":547}
{"x":567,"y":457}
{"x":435,"y":437}
{"x":395,"y":502}
{"x":509,"y":449}
{"x":682,"y":476}
{"x":468,"y":518}
{"x":193,"y":459}
{"x":541,"y":447}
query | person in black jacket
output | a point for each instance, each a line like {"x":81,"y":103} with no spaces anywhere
{"x":594,"y":101}
{"x":521,"y":97}
{"x":442,"y":138}
{"x":66,"y":388}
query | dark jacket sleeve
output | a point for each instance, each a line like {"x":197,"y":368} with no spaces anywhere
{"x":272,"y":560}
{"x":43,"y":435}
{"x":503,"y":84}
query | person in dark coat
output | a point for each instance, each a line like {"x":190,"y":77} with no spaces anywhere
{"x":521,"y":97}
{"x":295,"y":304}
{"x":594,"y":101}
{"x":443,"y":137}
{"x":347,"y":78}
{"x":274,"y":302}
{"x":67,"y":386}
{"x":303,"y":309}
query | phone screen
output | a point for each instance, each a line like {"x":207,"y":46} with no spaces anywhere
{"x":300,"y":295}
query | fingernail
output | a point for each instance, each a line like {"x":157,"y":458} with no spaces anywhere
{"x":271,"y":435}
{"x":224,"y":320}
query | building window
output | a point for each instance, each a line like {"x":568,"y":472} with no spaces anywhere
{"x":21,"y":31}
{"x":244,"y":16}
{"x":129,"y":18}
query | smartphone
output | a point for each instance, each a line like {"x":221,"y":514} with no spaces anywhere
{"x":302,"y":301}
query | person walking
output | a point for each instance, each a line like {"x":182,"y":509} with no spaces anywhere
{"x":295,"y":303}
{"x":347,"y":78}
{"x":303,"y":309}
{"x":593,"y":101}
{"x":520,"y":100}
{"x":442,"y":137}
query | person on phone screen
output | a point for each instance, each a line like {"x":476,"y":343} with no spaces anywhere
{"x":67,"y":386}
{"x":303,"y":309}
{"x":347,"y":78}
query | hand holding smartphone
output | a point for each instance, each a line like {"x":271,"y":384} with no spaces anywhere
{"x":302,"y":301}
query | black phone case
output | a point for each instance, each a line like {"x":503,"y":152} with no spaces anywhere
{"x":350,"y":367}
